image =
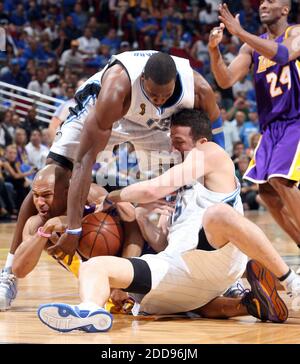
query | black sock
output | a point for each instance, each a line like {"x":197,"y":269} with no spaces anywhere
{"x":285,"y":275}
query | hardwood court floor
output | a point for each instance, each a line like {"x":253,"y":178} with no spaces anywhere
{"x":49,"y":283}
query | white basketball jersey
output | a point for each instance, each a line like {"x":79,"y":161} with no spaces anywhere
{"x":141,"y":111}
{"x":191,"y":203}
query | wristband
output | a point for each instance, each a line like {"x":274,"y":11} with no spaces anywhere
{"x":282,"y":56}
{"x":77,"y":231}
{"x":218,"y":133}
{"x":42,"y":234}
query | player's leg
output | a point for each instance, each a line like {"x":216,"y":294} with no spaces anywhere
{"x":277,"y":209}
{"x":222,"y":224}
{"x":248,"y":237}
{"x":222,"y":308}
{"x":262,"y":303}
{"x":290,"y":197}
{"x":97,"y":276}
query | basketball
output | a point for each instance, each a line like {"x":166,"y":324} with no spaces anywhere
{"x":102,"y":234}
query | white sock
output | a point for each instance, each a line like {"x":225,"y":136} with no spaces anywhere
{"x":88,"y":305}
{"x":9,"y":260}
{"x":292,"y":283}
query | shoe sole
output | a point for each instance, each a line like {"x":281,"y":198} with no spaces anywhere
{"x":263,"y":285}
{"x":61,"y":317}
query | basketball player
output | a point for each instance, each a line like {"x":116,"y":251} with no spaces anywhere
{"x":274,"y":55}
{"x":208,"y":242}
{"x":131,"y":99}
{"x":48,"y":199}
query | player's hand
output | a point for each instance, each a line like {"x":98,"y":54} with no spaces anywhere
{"x":66,"y":245}
{"x":231,"y":23}
{"x":118,"y":297}
{"x":102,"y":205}
{"x":161,"y":207}
{"x":56,"y":224}
{"x":216,"y":36}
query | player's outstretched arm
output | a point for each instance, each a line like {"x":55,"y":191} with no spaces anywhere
{"x":227,"y":76}
{"x":280,"y":53}
{"x":34,"y":242}
{"x":95,"y":135}
{"x":152,"y":190}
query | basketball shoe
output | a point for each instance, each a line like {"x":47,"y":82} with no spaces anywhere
{"x":236,"y":290}
{"x":64,"y":318}
{"x":8,"y":288}
{"x":263,"y":301}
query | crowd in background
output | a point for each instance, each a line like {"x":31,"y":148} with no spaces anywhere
{"x":51,"y":45}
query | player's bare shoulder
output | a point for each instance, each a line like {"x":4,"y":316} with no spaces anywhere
{"x":117,"y":76}
{"x":215,"y":156}
{"x":116,"y":82}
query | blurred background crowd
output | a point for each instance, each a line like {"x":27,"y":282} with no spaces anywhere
{"x":52,"y":45}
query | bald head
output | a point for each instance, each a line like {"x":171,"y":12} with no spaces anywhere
{"x":46,"y":175}
{"x":49,"y":190}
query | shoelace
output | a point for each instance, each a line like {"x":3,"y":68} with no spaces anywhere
{"x":241,"y":289}
{"x":7,"y":278}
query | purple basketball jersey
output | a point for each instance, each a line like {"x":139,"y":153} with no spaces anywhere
{"x":277,"y":89}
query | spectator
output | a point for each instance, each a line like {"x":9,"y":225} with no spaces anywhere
{"x":51,"y":30}
{"x":12,"y":174}
{"x":18,"y":16}
{"x":208,"y":15}
{"x":30,"y":122}
{"x":231,"y":134}
{"x":72,"y":57}
{"x":238,"y":150}
{"x":242,"y":86}
{"x":125,"y":47}
{"x":112,"y":41}
{"x":249,"y":190}
{"x":147,"y":28}
{"x":40,"y":85}
{"x":5,"y":137}
{"x":4,"y":18}
{"x":249,"y":128}
{"x":166,"y":37}
{"x":36,"y":151}
{"x":7,"y":205}
{"x":46,"y":140}
{"x":20,"y":142}
{"x":88,"y":45}
{"x":70,"y":29}
{"x":34,"y":51}
{"x":79,"y":17}
{"x":239,"y":121}
{"x":254,"y":140}
{"x":14,"y":75}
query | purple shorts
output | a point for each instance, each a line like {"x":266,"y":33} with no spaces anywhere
{"x":277,"y":153}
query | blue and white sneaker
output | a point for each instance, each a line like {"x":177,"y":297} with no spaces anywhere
{"x":236,"y":290}
{"x":64,"y":318}
{"x":8,"y":288}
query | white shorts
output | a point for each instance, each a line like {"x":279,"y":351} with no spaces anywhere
{"x":150,"y":145}
{"x":188,"y":281}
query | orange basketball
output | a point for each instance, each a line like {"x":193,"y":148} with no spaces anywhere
{"x":102,"y":234}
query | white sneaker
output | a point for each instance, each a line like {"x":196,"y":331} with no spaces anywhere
{"x":236,"y":290}
{"x":64,"y":318}
{"x":8,"y":288}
